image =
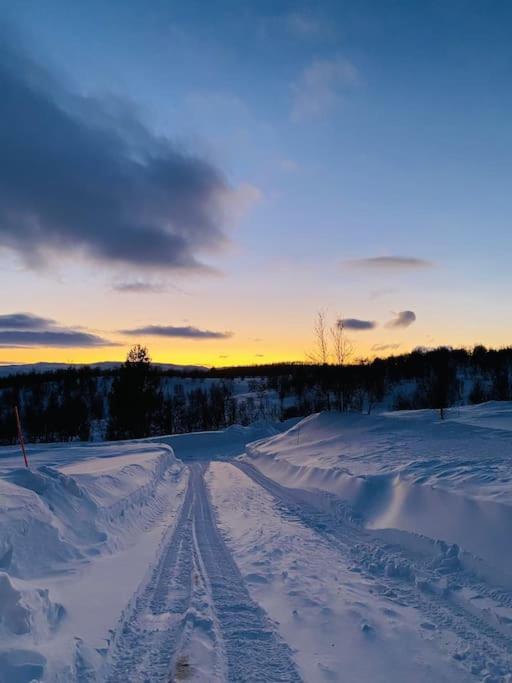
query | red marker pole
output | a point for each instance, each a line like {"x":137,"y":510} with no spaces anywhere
{"x":20,"y":436}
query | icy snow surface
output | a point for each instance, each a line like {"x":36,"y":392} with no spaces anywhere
{"x":340,"y":548}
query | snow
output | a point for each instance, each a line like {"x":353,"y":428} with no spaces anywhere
{"x":75,"y":541}
{"x":221,"y":444}
{"x":448,"y":479}
{"x":346,"y":547}
{"x":24,"y":368}
{"x":328,"y":613}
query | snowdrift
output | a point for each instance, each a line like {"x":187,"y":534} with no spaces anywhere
{"x":50,"y":517}
{"x":410,"y":471}
{"x":67,"y":531}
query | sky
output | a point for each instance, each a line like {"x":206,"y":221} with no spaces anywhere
{"x":203,"y":178}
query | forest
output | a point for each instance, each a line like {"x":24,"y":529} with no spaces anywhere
{"x":138,"y":399}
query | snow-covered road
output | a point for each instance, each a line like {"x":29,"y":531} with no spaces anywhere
{"x":195,"y":618}
{"x":260,"y":582}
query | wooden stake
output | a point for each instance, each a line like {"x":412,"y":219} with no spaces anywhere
{"x":20,"y":436}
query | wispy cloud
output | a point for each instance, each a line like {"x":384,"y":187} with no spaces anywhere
{"x":389,"y":263}
{"x":356,"y":324}
{"x":385,"y":347}
{"x":321,"y":87}
{"x":402,"y":319}
{"x":307,"y":26}
{"x":187,"y":332}
{"x":25,"y":330}
{"x":139,"y":287}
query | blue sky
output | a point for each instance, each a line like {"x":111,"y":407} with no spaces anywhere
{"x":345,"y":130}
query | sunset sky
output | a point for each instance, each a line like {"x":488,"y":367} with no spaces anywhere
{"x":203,"y":177}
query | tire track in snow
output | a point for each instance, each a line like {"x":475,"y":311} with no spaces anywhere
{"x":144,"y":647}
{"x":404,"y":576}
{"x":196,"y":593}
{"x":254,"y":650}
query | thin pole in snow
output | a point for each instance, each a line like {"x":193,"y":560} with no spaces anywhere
{"x":20,"y":436}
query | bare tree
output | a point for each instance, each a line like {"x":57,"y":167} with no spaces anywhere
{"x":320,"y":356}
{"x":320,"y":353}
{"x":342,"y":350}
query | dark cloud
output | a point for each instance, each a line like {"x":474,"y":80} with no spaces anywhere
{"x":187,"y":332}
{"x":385,"y":347}
{"x":356,"y":324}
{"x":51,"y":338}
{"x":402,"y":319}
{"x":390,"y":263}
{"x":24,"y":321}
{"x":24,"y":330}
{"x":75,"y":177}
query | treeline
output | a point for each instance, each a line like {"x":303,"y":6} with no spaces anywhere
{"x":132,"y":401}
{"x":425,"y":378}
{"x":139,"y":399}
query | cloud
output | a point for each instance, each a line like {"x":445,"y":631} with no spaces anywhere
{"x":25,"y":330}
{"x":390,"y":263}
{"x":385,"y":347}
{"x":321,"y":87}
{"x":187,"y":332}
{"x":139,"y":287}
{"x":307,"y":26}
{"x":24,"y":321}
{"x":402,"y":319}
{"x":356,"y":324}
{"x":51,"y":338}
{"x":78,"y":177}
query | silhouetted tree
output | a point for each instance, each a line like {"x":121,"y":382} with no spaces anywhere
{"x":442,"y":381}
{"x":135,"y":397}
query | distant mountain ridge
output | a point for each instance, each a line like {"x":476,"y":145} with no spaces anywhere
{"x":23,"y":368}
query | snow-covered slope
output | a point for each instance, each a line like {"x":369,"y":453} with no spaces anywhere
{"x":42,"y":366}
{"x":449,"y":479}
{"x":76,"y":537}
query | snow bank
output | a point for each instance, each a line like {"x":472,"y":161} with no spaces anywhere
{"x":25,"y":610}
{"x":50,"y":517}
{"x":77,"y":530}
{"x":410,"y":471}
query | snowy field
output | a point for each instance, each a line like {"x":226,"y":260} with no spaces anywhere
{"x":339,"y":548}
